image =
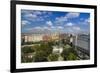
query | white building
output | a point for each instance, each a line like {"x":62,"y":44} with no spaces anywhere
{"x":57,"y":50}
{"x":83,"y":41}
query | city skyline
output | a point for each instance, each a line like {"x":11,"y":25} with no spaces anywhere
{"x":33,"y":21}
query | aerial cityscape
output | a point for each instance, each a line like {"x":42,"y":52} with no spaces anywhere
{"x":48,"y":36}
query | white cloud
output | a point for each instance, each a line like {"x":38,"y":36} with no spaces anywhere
{"x":69,"y":24}
{"x":49,"y":23}
{"x":59,"y":27}
{"x":24,"y":11}
{"x":34,"y":12}
{"x":41,"y":12}
{"x":72,"y":15}
{"x":37,"y":12}
{"x":33,"y":29}
{"x":73,"y":29}
{"x":81,"y":19}
{"x":37,"y":27}
{"x":31,"y":15}
{"x":60,"y":20}
{"x":29,"y":29}
{"x":87,"y":20}
{"x":25,"y":22}
{"x":52,"y":27}
{"x":84,"y":21}
{"x":46,"y":28}
{"x":76,"y":28}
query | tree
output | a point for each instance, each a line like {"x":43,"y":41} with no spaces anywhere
{"x":65,"y":53}
{"x":51,"y":43}
{"x":27,"y":50}
{"x":71,"y":56}
{"x":40,"y":56}
{"x":45,"y":47}
{"x":53,"y":57}
{"x":68,"y":52}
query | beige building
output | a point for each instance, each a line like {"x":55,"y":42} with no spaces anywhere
{"x":37,"y":37}
{"x":40,"y":37}
{"x":32,"y":37}
{"x":28,"y":38}
{"x":55,"y":36}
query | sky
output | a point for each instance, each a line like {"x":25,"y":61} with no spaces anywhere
{"x":33,"y":21}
